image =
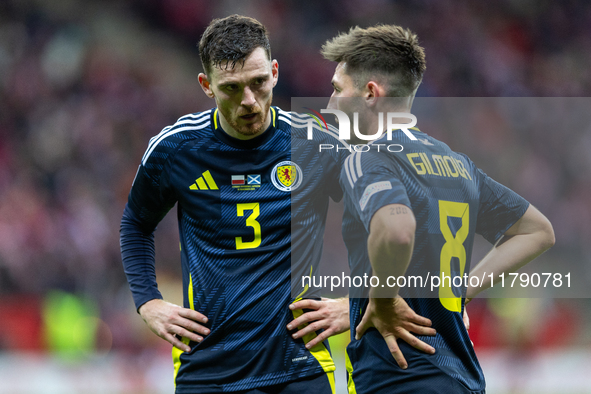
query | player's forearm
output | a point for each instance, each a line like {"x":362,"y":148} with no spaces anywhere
{"x":389,"y":256}
{"x":137,"y":254}
{"x":510,"y":254}
{"x":390,"y":245}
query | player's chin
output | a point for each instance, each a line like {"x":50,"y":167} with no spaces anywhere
{"x":247,"y":131}
{"x":251,"y":129}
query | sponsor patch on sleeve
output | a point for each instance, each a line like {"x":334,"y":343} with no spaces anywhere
{"x":372,"y":189}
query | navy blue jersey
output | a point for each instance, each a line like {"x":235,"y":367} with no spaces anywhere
{"x":241,"y":205}
{"x":452,"y":200}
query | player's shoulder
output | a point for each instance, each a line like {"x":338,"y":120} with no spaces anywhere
{"x":307,"y":127}
{"x":428,"y":142}
{"x":188,"y":127}
{"x":307,"y":131}
{"x":362,"y":161}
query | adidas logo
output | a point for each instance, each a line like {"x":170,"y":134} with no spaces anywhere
{"x":425,"y":141}
{"x":204,"y":182}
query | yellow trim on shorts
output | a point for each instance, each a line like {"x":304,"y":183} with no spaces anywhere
{"x":330,"y":376}
{"x":320,"y":353}
{"x":301,"y":295}
{"x":350,"y":383}
{"x":176,"y":352}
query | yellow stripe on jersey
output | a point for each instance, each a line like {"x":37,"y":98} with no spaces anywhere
{"x":176,"y":352}
{"x":273,"y":115}
{"x":190,"y":292}
{"x":350,"y":383}
{"x":320,"y":352}
{"x":299,"y":297}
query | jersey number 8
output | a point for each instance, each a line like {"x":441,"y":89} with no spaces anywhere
{"x":453,"y":247}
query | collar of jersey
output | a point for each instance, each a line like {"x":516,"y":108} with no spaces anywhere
{"x":243,"y":144}
{"x":396,"y":130}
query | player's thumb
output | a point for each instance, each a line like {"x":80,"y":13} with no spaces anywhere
{"x":362,"y":327}
{"x":466,"y":320}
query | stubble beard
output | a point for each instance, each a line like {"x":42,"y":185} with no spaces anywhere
{"x":256,"y":128}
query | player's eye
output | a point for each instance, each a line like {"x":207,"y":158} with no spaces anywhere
{"x":231,"y":88}
{"x":259,"y":81}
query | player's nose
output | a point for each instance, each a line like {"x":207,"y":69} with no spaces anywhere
{"x":248,"y":99}
{"x":332,"y":102}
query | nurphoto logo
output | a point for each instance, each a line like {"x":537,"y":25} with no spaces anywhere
{"x":345,"y":124}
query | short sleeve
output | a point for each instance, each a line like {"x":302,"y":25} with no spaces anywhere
{"x":371,"y":183}
{"x":500,"y":207}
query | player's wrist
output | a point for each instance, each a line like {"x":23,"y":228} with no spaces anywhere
{"x":381,"y":293}
{"x":146,"y":305}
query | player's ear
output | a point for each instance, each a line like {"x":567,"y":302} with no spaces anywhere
{"x":275,"y":71}
{"x":373,"y":91}
{"x":205,"y":85}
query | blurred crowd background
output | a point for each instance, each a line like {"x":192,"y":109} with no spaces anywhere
{"x":85,"y":84}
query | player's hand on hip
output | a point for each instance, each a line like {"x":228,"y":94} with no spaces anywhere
{"x":328,"y":314}
{"x":170,"y":322}
{"x":394,"y":319}
{"x":466,"y":318}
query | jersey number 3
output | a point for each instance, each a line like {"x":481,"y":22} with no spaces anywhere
{"x":251,"y":222}
{"x":453,"y":247}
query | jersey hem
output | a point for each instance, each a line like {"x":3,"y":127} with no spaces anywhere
{"x":209,"y":388}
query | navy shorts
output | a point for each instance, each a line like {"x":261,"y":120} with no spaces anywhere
{"x":322,"y":384}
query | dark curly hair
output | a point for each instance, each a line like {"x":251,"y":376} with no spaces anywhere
{"x":230,"y":40}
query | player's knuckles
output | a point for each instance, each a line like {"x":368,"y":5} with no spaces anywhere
{"x":304,"y":304}
{"x":394,"y":350}
{"x":163,"y":330}
{"x":399,"y":331}
{"x":162,"y":334}
{"x":304,"y":318}
{"x":304,"y":332}
{"x":172,"y":317}
{"x":296,"y":323}
{"x":184,"y":333}
{"x":313,"y":343}
{"x":191,"y":325}
{"x":194,"y":316}
{"x":408,"y":315}
{"x":170,"y":329}
{"x":321,"y":337}
{"x":172,"y":339}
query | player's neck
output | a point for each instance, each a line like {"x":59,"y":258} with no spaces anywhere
{"x":372,"y":124}
{"x":235,"y":134}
